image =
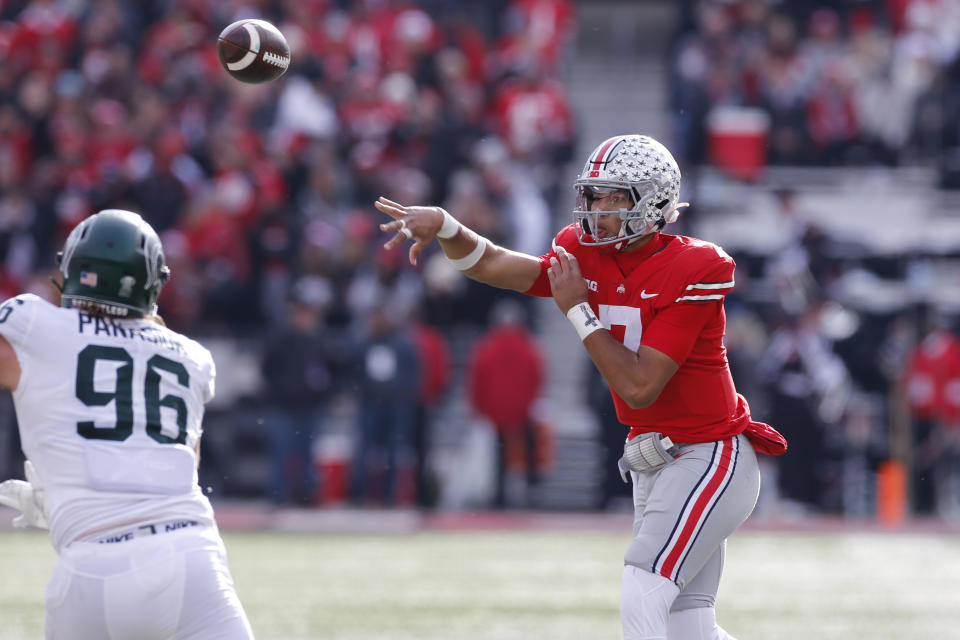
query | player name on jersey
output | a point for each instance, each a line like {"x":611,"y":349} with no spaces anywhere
{"x":97,"y":325}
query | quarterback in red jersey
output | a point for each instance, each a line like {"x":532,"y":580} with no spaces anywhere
{"x":648,"y":307}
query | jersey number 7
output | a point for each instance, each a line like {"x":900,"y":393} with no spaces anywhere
{"x":122,"y":395}
{"x":624,"y":324}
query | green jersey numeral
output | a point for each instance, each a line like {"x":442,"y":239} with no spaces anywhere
{"x":7,"y":308}
{"x":154,"y":401}
{"x":122,"y":395}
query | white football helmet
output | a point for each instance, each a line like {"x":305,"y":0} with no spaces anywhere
{"x":640,"y":165}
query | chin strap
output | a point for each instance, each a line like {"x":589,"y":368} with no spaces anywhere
{"x":620,"y":246}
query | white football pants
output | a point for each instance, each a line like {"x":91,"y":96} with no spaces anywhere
{"x":171,"y":586}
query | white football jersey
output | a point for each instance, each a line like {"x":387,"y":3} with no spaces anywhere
{"x":110,"y":411}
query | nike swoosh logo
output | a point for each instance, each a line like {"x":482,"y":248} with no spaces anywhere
{"x":645,"y":295}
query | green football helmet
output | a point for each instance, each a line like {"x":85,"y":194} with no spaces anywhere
{"x":113,"y":262}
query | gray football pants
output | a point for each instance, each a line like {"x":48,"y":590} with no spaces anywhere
{"x":684,"y":511}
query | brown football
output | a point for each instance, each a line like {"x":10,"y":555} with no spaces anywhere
{"x":253,"y":51}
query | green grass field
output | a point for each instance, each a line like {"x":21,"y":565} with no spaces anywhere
{"x":531,"y":584}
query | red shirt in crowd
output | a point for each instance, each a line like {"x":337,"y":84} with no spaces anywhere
{"x":933,"y":377}
{"x":435,"y":363}
{"x":505,"y":374}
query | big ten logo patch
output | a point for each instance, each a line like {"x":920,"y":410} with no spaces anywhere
{"x":591,"y":284}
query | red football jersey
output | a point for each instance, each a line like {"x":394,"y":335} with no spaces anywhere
{"x":667,"y":295}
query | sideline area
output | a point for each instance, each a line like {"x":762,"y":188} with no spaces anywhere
{"x":253,"y":516}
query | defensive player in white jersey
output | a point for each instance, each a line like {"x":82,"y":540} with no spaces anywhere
{"x":110,"y":404}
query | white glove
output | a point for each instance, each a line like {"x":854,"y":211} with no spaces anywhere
{"x":27,"y":498}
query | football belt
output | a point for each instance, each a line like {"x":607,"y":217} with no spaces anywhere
{"x":146,"y":530}
{"x":646,"y":452}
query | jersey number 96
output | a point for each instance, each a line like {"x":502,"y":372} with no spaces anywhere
{"x":122,"y":395}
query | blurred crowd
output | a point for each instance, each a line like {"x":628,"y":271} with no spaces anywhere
{"x":867,"y":394}
{"x":838,"y":82}
{"x":262,"y":194}
{"x":253,"y":187}
{"x":865,"y":387}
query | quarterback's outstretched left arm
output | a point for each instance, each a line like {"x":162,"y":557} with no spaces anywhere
{"x":637,"y":376}
{"x":478,"y":258}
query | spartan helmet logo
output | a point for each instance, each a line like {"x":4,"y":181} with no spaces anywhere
{"x":126,"y":286}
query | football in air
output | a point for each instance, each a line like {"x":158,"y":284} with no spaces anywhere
{"x":253,"y":51}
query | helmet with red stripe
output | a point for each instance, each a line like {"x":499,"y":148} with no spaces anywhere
{"x":643,"y":167}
